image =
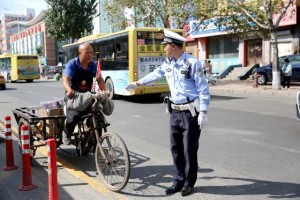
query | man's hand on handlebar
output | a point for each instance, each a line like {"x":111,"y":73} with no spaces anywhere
{"x":70,"y":93}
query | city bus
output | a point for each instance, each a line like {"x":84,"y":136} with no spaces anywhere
{"x":19,"y":67}
{"x":126,"y":56}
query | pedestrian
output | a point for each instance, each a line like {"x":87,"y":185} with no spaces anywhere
{"x":78,"y":77}
{"x":287,"y":73}
{"x":207,"y":67}
{"x":188,"y":104}
{"x":43,"y":70}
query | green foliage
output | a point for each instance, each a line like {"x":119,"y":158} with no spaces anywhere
{"x":244,"y":18}
{"x":39,"y":50}
{"x":70,"y":18}
{"x":152,"y":13}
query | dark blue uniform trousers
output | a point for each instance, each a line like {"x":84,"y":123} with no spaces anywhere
{"x":184,"y":138}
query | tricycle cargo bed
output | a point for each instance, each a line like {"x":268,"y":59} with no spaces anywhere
{"x":41,"y":118}
{"x":37,"y":113}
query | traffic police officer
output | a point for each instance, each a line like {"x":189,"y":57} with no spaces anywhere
{"x":189,"y":101}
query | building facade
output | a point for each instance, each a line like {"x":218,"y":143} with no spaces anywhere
{"x":33,"y":40}
{"x":224,"y":49}
{"x":101,"y":24}
{"x":7,"y":29}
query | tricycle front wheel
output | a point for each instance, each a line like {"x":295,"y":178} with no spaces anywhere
{"x":112,"y":161}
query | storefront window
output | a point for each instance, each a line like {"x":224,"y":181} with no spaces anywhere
{"x":223,"y":47}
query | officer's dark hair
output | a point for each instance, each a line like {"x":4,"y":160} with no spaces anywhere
{"x":286,"y":60}
{"x":180,"y":45}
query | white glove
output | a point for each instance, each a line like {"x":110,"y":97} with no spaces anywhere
{"x":202,"y":120}
{"x":132,"y":86}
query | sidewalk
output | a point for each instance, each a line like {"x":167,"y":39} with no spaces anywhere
{"x":246,"y":87}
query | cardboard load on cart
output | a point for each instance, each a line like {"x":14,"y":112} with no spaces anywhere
{"x":47,"y":110}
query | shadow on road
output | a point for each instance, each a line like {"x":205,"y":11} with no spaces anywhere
{"x":144,"y":99}
{"x":150,"y":181}
{"x":158,"y":99}
{"x":223,"y":98}
{"x":276,"y":190}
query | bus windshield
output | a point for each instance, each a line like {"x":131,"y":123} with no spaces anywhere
{"x":149,"y":37}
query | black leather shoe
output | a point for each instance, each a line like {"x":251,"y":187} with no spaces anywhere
{"x":186,"y":191}
{"x":173,"y":189}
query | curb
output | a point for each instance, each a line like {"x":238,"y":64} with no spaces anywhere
{"x":267,"y":93}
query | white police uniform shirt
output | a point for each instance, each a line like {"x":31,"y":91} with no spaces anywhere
{"x":184,"y":84}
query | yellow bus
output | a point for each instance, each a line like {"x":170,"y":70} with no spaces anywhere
{"x":19,"y":67}
{"x":126,"y":56}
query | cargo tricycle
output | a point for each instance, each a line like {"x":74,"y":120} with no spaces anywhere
{"x":111,"y":154}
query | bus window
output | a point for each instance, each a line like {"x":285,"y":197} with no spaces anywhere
{"x":103,"y":51}
{"x":122,"y":49}
{"x":96,"y":53}
{"x":5,"y":63}
{"x":107,"y":55}
{"x":110,"y":51}
{"x":8,"y":63}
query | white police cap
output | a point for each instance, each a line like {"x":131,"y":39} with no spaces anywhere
{"x":172,"y":37}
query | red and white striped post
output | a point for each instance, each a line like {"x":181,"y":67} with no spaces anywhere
{"x":10,"y":164}
{"x":52,"y":170}
{"x":27,"y":182}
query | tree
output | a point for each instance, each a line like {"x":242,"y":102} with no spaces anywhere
{"x":39,"y":50}
{"x":255,"y":17}
{"x":153,"y":13}
{"x":67,"y":19}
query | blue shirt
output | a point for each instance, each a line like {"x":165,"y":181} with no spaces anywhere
{"x":75,"y":63}
{"x":185,"y":79}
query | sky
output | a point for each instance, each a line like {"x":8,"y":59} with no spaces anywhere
{"x":18,"y":6}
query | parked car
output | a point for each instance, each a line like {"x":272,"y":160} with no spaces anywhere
{"x":265,"y":72}
{"x":57,"y":69}
{"x":2,"y":83}
{"x":54,"y":70}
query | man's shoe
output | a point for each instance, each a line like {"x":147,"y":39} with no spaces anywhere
{"x":186,"y":191}
{"x":173,"y":189}
{"x":66,"y":139}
